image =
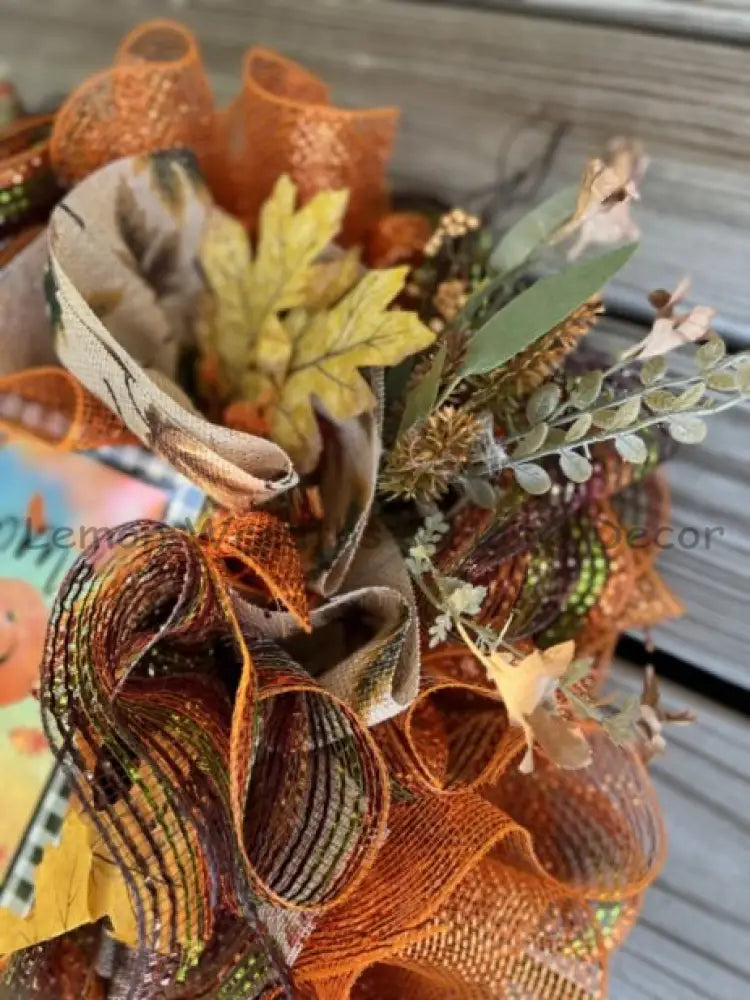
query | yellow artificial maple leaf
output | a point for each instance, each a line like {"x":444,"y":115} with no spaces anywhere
{"x":329,"y":279}
{"x":290,"y":328}
{"x":76,"y":883}
{"x":328,"y":350}
{"x":241,"y":323}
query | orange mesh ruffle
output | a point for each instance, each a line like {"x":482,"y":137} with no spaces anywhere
{"x":519,"y":888}
{"x":156,"y":96}
{"x":282,"y":122}
{"x":50,"y":405}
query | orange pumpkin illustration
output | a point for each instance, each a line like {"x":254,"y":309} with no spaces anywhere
{"x":23,"y":623}
{"x":28,"y":740}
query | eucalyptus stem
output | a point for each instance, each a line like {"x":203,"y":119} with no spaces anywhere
{"x":559,"y":415}
{"x":634,"y":429}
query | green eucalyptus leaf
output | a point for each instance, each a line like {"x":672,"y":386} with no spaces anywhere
{"x":661,"y":400}
{"x":556,"y":437}
{"x":628,"y":412}
{"x":587,"y":390}
{"x":687,"y":429}
{"x":632,"y":448}
{"x":534,"y":229}
{"x":576,"y":467}
{"x":723,"y":381}
{"x":538,"y":309}
{"x":653,"y":370}
{"x":480,"y":492}
{"x":421,"y":399}
{"x":542,"y":402}
{"x":605,"y":418}
{"x":532,"y":478}
{"x":712,"y":352}
{"x":743,"y":375}
{"x":580,"y":426}
{"x":691,"y":396}
{"x":532,"y":441}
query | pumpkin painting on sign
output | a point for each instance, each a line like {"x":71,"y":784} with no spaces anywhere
{"x":342,"y":734}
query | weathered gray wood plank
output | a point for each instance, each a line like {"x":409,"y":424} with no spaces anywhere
{"x":724,"y":20}
{"x":474,"y":84}
{"x":691,"y":940}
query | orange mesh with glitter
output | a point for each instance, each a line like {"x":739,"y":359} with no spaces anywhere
{"x":156,"y":96}
{"x":518,"y":888}
{"x":50,"y":405}
{"x":398,"y":238}
{"x":281,"y":121}
{"x":462,"y":877}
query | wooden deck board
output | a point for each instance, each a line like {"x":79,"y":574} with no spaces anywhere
{"x":726,"y":20}
{"x":691,"y":940}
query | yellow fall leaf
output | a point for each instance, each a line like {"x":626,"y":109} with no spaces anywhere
{"x":76,"y":883}
{"x":241,"y":324}
{"x":295,"y":323}
{"x":223,"y":327}
{"x":329,"y":348}
{"x":330,"y":279}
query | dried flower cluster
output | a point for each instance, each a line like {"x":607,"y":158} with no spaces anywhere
{"x":428,"y":459}
{"x":510,"y":384}
{"x":452,"y":226}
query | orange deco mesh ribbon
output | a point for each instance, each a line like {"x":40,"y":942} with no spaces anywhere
{"x":50,"y":405}
{"x":409,"y":860}
{"x":156,"y":96}
{"x":468,"y":881}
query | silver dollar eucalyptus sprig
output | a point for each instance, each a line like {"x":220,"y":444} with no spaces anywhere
{"x":565,"y":419}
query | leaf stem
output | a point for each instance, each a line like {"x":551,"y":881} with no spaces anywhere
{"x":559,"y":416}
{"x":643,"y":425}
{"x":447,"y":393}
